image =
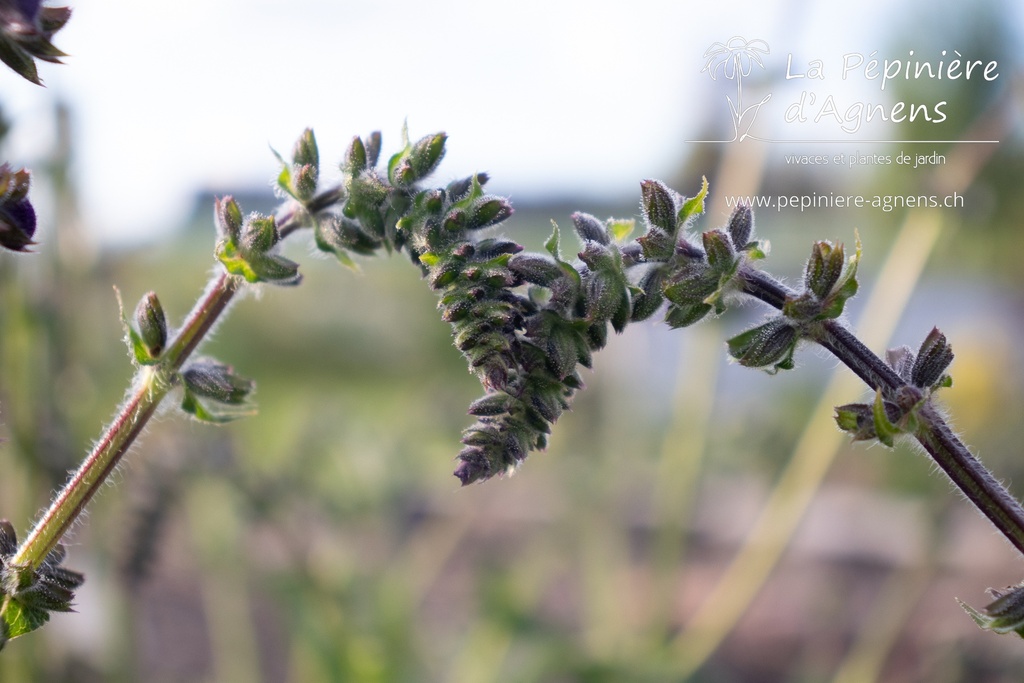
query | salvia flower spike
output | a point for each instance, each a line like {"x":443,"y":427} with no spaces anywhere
{"x":524,"y":322}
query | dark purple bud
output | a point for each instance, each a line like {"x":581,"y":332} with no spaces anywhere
{"x":691,"y":251}
{"x":210,"y":379}
{"x":17,"y":225}
{"x":372,"y":145}
{"x":590,"y":228}
{"x":459,"y":189}
{"x":17,"y":215}
{"x":25,"y":33}
{"x":933,"y":358}
{"x":901,"y":360}
{"x":741,"y":226}
{"x":8,"y":539}
{"x":650,"y":297}
{"x":632,"y":254}
{"x":473,"y":466}
{"x":489,"y":248}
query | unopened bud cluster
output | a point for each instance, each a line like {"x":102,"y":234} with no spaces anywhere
{"x":923,"y":372}
{"x":27,"y":594}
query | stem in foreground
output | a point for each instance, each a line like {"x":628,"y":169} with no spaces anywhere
{"x":933,"y":433}
{"x":151,"y":386}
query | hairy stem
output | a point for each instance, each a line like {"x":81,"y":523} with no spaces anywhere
{"x":954,"y":458}
{"x":151,"y":385}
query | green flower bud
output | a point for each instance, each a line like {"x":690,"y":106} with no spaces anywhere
{"x":1005,"y":614}
{"x":29,"y":594}
{"x":856,"y":419}
{"x":719,"y":248}
{"x":365,"y":190}
{"x":417,"y":161}
{"x":455,"y":221}
{"x":769,"y":345}
{"x":305,"y":151}
{"x":488,"y":211}
{"x":690,"y":288}
{"x":659,"y":206}
{"x":492,"y":404}
{"x":355,"y":157}
{"x":536,"y":269}
{"x":259,"y":234}
{"x":598,"y":257}
{"x":657,"y":245}
{"x":337,"y":234}
{"x":605,"y":297}
{"x":684,"y":315}
{"x":303,"y":182}
{"x":228,"y":217}
{"x":650,"y":297}
{"x":210,"y":379}
{"x":824,"y":268}
{"x":597,"y":338}
{"x":152,"y":325}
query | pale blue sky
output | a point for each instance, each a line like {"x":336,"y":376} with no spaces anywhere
{"x":582,"y":98}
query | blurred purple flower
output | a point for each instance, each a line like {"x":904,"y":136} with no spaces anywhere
{"x":25,"y":32}
{"x":17,"y":216}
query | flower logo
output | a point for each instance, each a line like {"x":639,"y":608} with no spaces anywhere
{"x":734,"y":60}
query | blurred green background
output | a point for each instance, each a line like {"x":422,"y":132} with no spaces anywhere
{"x":326,"y":540}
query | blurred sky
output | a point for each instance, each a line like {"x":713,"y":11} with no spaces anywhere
{"x":559,"y":98}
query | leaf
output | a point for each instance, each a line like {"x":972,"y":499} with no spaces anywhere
{"x":694,"y":206}
{"x":136,"y":345}
{"x":885,"y":430}
{"x":205,"y":412}
{"x":552,"y":242}
{"x":621,"y":228}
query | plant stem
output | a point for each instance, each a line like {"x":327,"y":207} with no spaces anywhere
{"x":954,"y":458}
{"x":150,"y":387}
